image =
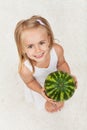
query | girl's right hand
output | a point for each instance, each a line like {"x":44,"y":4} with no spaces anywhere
{"x":75,"y":79}
{"x":58,"y":105}
{"x":51,"y":107}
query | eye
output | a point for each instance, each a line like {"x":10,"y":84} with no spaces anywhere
{"x":42,"y":42}
{"x":30,"y":46}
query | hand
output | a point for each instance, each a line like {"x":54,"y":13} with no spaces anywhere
{"x":59,"y":105}
{"x":45,"y":96}
{"x":75,"y":79}
{"x":52,"y":107}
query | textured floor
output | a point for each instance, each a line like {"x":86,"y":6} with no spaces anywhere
{"x":69,"y":22}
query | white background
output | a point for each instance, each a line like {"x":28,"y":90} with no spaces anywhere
{"x":68,"y":20}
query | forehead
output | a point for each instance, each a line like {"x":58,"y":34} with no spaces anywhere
{"x":34,"y":35}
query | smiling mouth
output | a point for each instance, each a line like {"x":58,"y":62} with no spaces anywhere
{"x":39,"y":56}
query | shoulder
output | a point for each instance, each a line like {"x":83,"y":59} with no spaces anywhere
{"x":58,"y":49}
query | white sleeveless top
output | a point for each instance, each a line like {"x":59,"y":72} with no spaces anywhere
{"x":40,"y":75}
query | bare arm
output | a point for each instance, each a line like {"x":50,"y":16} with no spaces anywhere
{"x":62,"y":64}
{"x":29,"y":80}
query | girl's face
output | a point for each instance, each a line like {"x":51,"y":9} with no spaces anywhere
{"x":36,"y":44}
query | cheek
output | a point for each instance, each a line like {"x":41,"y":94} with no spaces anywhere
{"x":46,"y":47}
{"x":29,"y":53}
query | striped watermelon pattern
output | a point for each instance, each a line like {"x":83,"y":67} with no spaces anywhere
{"x":59,"y":86}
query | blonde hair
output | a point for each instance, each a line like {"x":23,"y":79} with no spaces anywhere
{"x":33,"y":22}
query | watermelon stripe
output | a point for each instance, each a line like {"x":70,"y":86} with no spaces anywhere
{"x":51,"y":92}
{"x":51,"y":82}
{"x":49,"y":87}
{"x":61,"y":96}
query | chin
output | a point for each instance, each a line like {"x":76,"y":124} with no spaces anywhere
{"x":39,"y":60}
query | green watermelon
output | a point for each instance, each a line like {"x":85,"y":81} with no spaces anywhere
{"x":59,"y":86}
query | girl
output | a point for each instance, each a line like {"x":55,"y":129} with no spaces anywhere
{"x":39,"y":55}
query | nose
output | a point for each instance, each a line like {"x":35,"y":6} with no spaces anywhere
{"x":37,"y":48}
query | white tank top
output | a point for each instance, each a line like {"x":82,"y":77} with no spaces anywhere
{"x":40,"y":75}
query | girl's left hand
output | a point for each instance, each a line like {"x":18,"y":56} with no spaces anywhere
{"x":75,"y":79}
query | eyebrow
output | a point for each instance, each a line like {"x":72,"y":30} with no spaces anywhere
{"x":38,"y":42}
{"x":26,"y":45}
{"x":42,"y":41}
{"x":29,"y":44}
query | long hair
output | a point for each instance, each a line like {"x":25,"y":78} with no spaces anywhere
{"x":33,"y":22}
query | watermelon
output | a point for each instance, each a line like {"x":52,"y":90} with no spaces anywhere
{"x":59,"y":86}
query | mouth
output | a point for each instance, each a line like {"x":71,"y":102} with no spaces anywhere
{"x":39,"y":55}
